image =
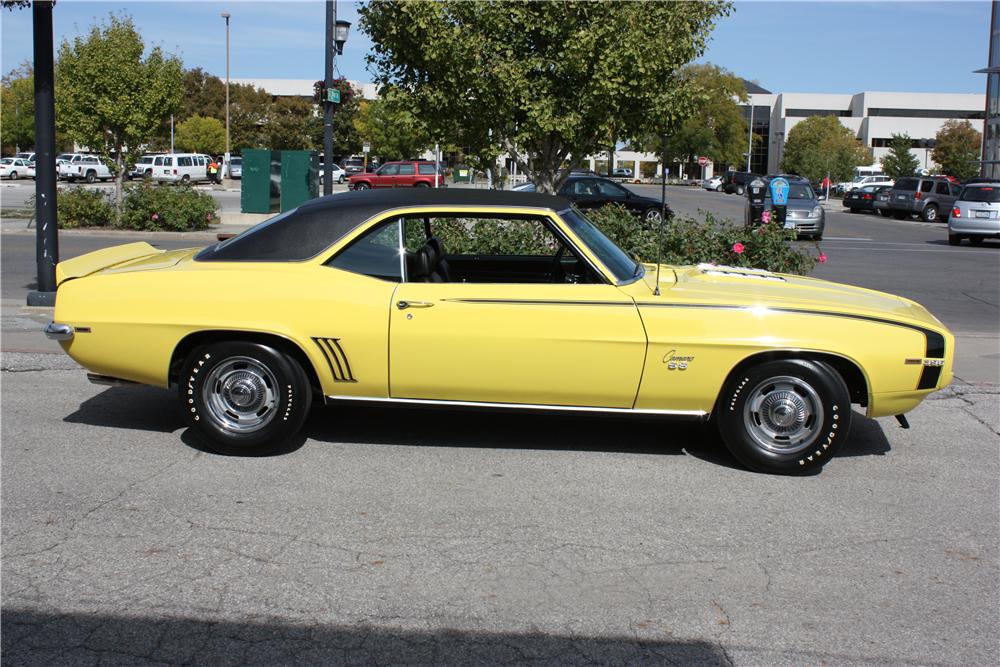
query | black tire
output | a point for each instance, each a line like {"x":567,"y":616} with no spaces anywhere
{"x":341,"y":179}
{"x":954,"y":239}
{"x":147,"y":174}
{"x":13,"y":176}
{"x":421,"y":185}
{"x":976,"y":240}
{"x":185,"y":179}
{"x":221,"y":384}
{"x":930,"y":213}
{"x":853,"y":210}
{"x":652,"y":215}
{"x":899,"y":215}
{"x":90,"y":177}
{"x":740,"y":190}
{"x":362,"y":186}
{"x":880,"y":212}
{"x":756,"y":401}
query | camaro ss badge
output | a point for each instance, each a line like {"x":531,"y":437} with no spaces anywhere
{"x":925,"y":362}
{"x":675,"y":362}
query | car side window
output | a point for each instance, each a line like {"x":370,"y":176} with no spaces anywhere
{"x":183,"y":162}
{"x":406,"y":170}
{"x":375,"y":254}
{"x":942,"y":188}
{"x":610,"y":189}
{"x":425,"y":169}
{"x":925,"y":186}
{"x":388,"y":170}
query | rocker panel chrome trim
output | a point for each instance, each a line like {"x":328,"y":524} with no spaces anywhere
{"x":519,"y":406}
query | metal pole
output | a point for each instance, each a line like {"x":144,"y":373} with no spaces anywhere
{"x":227,"y":91}
{"x":171,"y":133}
{"x":437,"y":164}
{"x":46,"y":229}
{"x":750,"y":137}
{"x":663,"y":214}
{"x":328,"y":51}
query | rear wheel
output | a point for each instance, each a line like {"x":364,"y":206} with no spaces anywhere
{"x":930,"y":213}
{"x":244,"y":398}
{"x":954,"y":239}
{"x":421,"y":185}
{"x":788,"y":416}
{"x":853,"y":210}
{"x":899,"y":215}
{"x":740,"y":190}
{"x":91,"y":176}
{"x":13,"y":176}
{"x":185,"y":179}
{"x":340,"y":179}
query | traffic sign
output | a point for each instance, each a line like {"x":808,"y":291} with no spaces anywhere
{"x":702,"y":161}
{"x":367,"y":148}
{"x":333,"y":95}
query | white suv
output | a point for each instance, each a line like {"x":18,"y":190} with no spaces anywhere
{"x":84,"y":167}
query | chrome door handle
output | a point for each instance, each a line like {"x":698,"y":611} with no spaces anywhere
{"x":403,"y":305}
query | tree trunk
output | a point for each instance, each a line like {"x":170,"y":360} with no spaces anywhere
{"x":119,"y":184}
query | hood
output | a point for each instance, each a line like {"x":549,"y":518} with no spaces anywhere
{"x":708,"y":284}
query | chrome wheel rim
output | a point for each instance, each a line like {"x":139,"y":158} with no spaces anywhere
{"x":653,"y":216}
{"x":783,"y":414}
{"x":241,"y":394}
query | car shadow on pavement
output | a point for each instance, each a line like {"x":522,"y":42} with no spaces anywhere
{"x":44,"y":638}
{"x":151,"y":409}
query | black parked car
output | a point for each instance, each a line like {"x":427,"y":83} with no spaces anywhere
{"x":737,"y":182}
{"x":864,"y":198}
{"x":590,"y":192}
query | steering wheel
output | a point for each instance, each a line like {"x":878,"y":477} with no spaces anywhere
{"x":556,"y":273}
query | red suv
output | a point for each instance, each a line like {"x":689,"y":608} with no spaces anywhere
{"x":408,"y":174}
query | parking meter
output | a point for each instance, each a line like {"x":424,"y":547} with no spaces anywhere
{"x":757,"y":190}
{"x":779,"y":199}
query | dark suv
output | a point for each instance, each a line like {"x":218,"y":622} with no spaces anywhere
{"x":930,"y":197}
{"x":736,"y":181}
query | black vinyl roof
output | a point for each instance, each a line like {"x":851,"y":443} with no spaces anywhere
{"x":319,"y":223}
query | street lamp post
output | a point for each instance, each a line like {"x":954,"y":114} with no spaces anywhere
{"x":336,"y":36}
{"x":226,"y":16}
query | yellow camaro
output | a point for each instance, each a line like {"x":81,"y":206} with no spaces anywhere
{"x":489,"y":300}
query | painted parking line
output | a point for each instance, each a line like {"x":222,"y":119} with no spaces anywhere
{"x":845,"y":238}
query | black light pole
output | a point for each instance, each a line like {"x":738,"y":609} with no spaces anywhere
{"x":331,"y":18}
{"x":46,"y":230}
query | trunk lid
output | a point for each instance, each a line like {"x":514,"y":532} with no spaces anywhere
{"x":128,"y":257}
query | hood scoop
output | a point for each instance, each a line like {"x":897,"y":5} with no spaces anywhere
{"x":738,"y":272}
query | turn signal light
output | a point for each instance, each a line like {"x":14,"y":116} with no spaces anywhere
{"x":956,"y":212}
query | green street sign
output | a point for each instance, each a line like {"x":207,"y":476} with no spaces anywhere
{"x":333,"y":95}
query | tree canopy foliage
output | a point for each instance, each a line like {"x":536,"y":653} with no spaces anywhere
{"x":201,"y":134}
{"x":957,"y":149}
{"x":391,"y":127}
{"x":820,"y":145}
{"x":554,"y":81}
{"x":899,"y":161}
{"x":17,"y":108}
{"x":109,"y":97}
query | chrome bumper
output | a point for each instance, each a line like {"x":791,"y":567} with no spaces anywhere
{"x":58,"y":331}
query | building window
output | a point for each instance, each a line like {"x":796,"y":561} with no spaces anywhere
{"x":884,"y":142}
{"x":925,"y":113}
{"x":805,"y":113}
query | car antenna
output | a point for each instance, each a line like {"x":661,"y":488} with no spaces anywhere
{"x":663,"y":213}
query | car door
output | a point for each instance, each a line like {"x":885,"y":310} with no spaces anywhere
{"x":612,"y":193}
{"x":537,"y":343}
{"x":583,"y":192}
{"x":406,"y":176}
{"x":385,"y":176}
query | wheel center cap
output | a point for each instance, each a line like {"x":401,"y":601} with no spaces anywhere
{"x":784,"y":414}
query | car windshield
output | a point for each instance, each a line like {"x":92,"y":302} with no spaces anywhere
{"x":620,"y":264}
{"x":981,"y":193}
{"x":800,"y":191}
{"x":525,"y":187}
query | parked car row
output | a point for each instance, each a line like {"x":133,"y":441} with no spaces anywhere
{"x":590,"y":192}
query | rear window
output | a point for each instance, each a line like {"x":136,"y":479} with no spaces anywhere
{"x":981,"y":193}
{"x":909,"y":184}
{"x":427,"y":169}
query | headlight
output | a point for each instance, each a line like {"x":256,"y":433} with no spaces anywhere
{"x":816,"y":212}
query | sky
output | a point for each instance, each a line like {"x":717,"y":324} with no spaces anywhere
{"x":821,"y":47}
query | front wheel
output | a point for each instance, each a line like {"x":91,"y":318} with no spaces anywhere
{"x":853,"y":210}
{"x":652,"y":216}
{"x":90,"y":177}
{"x":340,"y":179}
{"x":740,"y":190}
{"x":362,"y":186}
{"x":244,"y":399}
{"x":785,"y":417}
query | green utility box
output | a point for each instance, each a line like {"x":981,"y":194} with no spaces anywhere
{"x":299,"y":178}
{"x":260,"y":184}
{"x":462,"y":174}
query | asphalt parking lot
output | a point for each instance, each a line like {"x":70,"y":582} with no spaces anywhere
{"x":465,"y":538}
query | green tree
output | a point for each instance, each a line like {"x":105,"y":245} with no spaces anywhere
{"x":17,"y":109}
{"x":292,"y":124}
{"x":110,"y":98}
{"x":552,"y":80}
{"x":391,"y":127}
{"x":899,"y":161}
{"x":346,"y":141}
{"x":820,"y":145}
{"x":957,"y":149}
{"x":199,"y":134}
{"x":248,"y":111}
{"x":204,"y":95}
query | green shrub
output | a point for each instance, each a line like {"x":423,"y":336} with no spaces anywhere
{"x":162,"y":208}
{"x":687,"y":241}
{"x":82,"y":207}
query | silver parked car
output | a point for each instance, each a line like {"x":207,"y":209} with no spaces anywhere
{"x":975,"y":214}
{"x":803,"y":211}
{"x":236,"y":167}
